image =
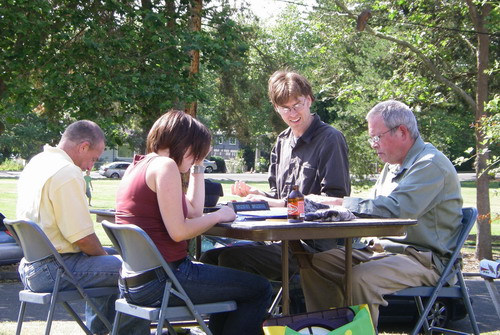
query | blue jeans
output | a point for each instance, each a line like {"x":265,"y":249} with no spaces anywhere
{"x":90,"y":271}
{"x":207,"y":283}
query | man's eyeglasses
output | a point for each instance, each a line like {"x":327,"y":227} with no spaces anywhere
{"x":297,"y":107}
{"x":375,"y":139}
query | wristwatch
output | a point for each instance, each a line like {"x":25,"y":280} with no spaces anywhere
{"x":197,"y":169}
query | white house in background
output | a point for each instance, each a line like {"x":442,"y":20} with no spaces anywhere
{"x":225,"y":147}
{"x":122,"y":154}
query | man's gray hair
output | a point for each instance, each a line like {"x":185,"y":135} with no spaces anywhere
{"x":84,"y":131}
{"x":395,"y":113}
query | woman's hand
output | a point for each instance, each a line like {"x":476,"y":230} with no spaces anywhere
{"x":226,"y":214}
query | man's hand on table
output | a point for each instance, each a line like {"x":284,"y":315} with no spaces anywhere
{"x":271,"y":201}
{"x":249,"y":193}
{"x":242,"y":189}
{"x":325,"y":200}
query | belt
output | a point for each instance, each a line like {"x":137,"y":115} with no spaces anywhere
{"x":146,"y":277}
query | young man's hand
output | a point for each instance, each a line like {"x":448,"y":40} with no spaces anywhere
{"x":242,"y":189}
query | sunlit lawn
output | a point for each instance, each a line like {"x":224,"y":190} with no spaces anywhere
{"x":103,"y":197}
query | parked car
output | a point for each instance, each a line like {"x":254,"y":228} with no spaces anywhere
{"x":113,"y":170}
{"x":10,"y":251}
{"x":210,"y":166}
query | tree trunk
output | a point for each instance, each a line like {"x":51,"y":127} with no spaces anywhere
{"x":196,"y":6}
{"x":3,"y":87}
{"x":478,"y":15}
{"x":170,"y":9}
{"x":257,"y":155}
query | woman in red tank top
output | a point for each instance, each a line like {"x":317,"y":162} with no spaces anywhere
{"x":151,"y":196}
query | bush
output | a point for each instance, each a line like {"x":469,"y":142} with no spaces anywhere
{"x":11,"y":165}
{"x":263,"y":165}
{"x":236,"y":165}
{"x":221,"y":163}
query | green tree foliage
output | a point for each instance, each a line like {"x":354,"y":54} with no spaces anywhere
{"x":441,"y":68}
{"x":120,"y":63}
{"x":236,"y":92}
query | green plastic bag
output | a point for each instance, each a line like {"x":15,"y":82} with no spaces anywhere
{"x":356,"y":321}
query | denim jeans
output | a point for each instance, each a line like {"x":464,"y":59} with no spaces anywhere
{"x":207,"y":283}
{"x":90,"y":271}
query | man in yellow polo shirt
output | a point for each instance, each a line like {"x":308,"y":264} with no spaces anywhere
{"x":51,"y":192}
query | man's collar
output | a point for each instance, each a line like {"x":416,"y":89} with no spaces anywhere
{"x":307,"y":136}
{"x":58,"y":151}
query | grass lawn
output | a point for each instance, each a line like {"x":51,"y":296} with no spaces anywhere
{"x":103,"y":197}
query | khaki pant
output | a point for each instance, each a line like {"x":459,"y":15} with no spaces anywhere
{"x":373,"y":276}
{"x":262,"y":259}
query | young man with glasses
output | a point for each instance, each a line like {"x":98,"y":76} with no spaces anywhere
{"x":310,"y":154}
{"x":418,"y":182}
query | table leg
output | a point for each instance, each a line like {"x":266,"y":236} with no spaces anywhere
{"x":197,"y":254}
{"x":285,"y":302}
{"x":348,"y":271}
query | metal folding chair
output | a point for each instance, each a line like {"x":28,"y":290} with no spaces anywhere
{"x":36,"y":246}
{"x":139,"y":253}
{"x":442,"y":290}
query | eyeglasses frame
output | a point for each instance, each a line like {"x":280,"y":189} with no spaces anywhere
{"x":297,"y":107}
{"x":376,"y":139}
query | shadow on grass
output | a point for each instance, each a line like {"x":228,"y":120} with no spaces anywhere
{"x":494,"y":184}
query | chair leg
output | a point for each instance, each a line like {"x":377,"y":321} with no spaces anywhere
{"x":198,"y":317}
{"x":75,"y":316}
{"x":50,"y":316}
{"x":164,"y":304}
{"x":468,"y":305}
{"x":98,"y":312}
{"x":495,"y":296}
{"x":274,"y":309}
{"x":53,"y":301}
{"x":20,"y":318}
{"x":116,"y":324}
{"x":425,"y":323}
{"x":171,"y":329}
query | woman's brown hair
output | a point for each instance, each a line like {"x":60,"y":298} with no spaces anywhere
{"x":178,"y":132}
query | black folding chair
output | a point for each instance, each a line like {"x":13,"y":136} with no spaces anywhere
{"x":36,"y":246}
{"x":442,"y":290}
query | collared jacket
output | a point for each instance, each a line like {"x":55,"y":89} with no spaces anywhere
{"x":317,"y":162}
{"x":425,"y":187}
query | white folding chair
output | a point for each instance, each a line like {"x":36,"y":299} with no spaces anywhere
{"x":442,"y":290}
{"x":36,"y":246}
{"x":139,"y":253}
